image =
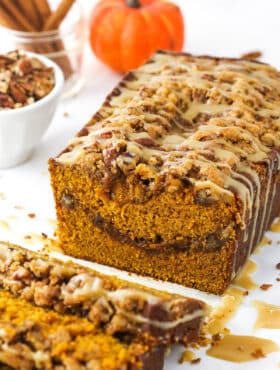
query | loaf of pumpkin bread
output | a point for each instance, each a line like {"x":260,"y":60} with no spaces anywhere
{"x":177,"y":175}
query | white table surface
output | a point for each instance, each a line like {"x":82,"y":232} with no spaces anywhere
{"x":217,"y":27}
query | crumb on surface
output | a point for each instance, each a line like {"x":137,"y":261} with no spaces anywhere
{"x":65,"y":114}
{"x":278,"y":266}
{"x":226,"y":331}
{"x":198,"y":345}
{"x":265,"y":286}
{"x":252,"y":55}
{"x":44,"y":235}
{"x":258,"y":353}
{"x":186,"y":356}
{"x":216,"y":337}
{"x":27,"y":237}
{"x":31,"y":215}
{"x":196,"y":360}
{"x":203,"y":341}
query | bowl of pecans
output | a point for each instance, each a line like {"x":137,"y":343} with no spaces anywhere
{"x":52,"y":28}
{"x":30,"y":87}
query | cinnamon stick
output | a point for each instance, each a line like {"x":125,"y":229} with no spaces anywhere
{"x":43,"y":9}
{"x":57,"y":45}
{"x":30,"y":13}
{"x":14,"y":17}
{"x":55,"y":19}
{"x":8,"y":21}
{"x":11,"y":9}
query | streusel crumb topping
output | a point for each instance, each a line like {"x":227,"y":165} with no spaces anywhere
{"x":181,"y":120}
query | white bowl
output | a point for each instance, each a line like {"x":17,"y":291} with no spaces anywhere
{"x":22,"y":128}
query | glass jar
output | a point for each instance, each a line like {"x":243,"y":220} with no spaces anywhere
{"x":64,"y":46}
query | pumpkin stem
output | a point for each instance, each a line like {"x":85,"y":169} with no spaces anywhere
{"x":133,"y":3}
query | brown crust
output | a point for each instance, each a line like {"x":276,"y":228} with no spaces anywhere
{"x":153,"y":360}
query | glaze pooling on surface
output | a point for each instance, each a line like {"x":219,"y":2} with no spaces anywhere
{"x":268,"y":315}
{"x":241,"y":348}
{"x":244,"y":279}
{"x":222,"y":314}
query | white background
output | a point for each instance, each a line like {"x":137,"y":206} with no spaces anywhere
{"x":217,"y":27}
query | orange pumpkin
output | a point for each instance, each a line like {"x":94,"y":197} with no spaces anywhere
{"x":125,"y":33}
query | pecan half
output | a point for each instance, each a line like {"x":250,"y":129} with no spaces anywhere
{"x":6,"y":101}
